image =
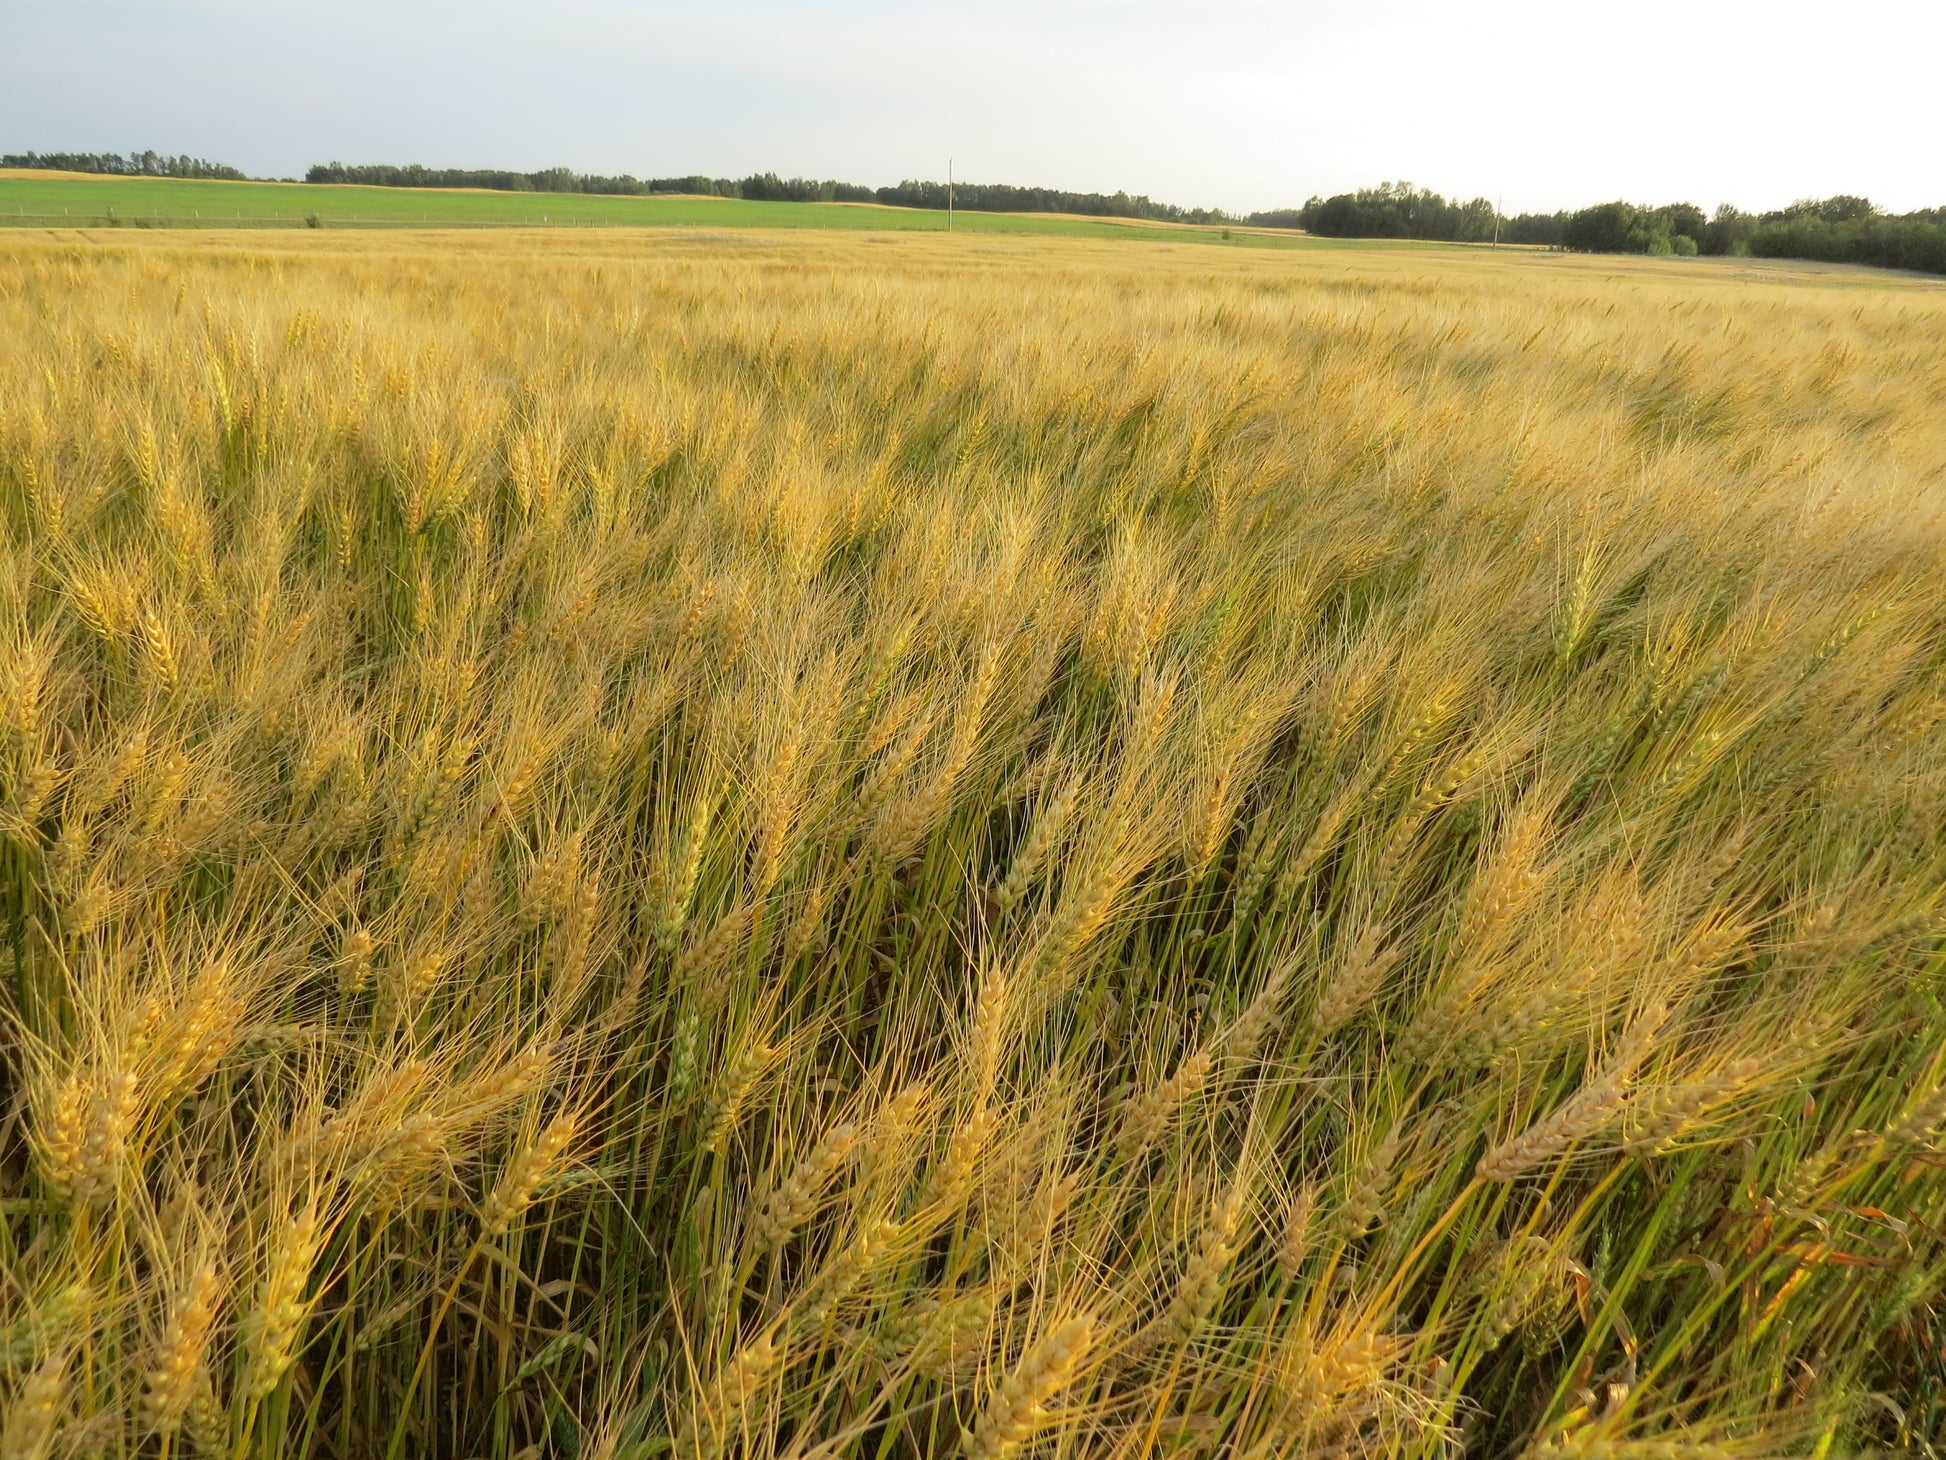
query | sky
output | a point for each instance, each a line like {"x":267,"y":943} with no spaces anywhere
{"x":1239,"y":104}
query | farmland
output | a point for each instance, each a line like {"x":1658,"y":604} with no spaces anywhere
{"x":628,"y":843}
{"x":37,"y":200}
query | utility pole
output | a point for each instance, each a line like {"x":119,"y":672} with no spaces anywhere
{"x":949,"y":195}
{"x":1498,"y":209}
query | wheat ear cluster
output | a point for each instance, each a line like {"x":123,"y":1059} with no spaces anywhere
{"x":830,"y":844}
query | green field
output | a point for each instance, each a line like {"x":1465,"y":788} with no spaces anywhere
{"x":27,"y":201}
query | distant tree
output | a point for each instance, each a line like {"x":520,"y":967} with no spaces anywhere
{"x":1477,"y":222}
{"x":137,"y":164}
{"x":1850,"y":230}
{"x":1345,"y":216}
{"x":1605,"y":228}
{"x":1544,"y":229}
{"x":769,"y":187}
{"x":1006,"y":198}
{"x":1682,"y":220}
{"x":1394,"y":210}
{"x":1728,"y":231}
{"x":1620,"y":227}
{"x":1843,"y":208}
{"x":719,"y":187}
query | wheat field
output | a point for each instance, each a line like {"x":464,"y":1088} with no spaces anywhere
{"x":760,"y":846}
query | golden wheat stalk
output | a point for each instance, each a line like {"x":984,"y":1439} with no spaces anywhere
{"x":1017,"y":1407}
{"x":795,"y":1199}
{"x":281,"y":1306}
{"x":536,"y":1161}
{"x":176,"y":1374}
{"x":1585,"y":1112}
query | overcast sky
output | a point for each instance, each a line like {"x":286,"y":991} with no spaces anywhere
{"x":1235,"y":103}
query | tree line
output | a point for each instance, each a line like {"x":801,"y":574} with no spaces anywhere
{"x":136,"y":164}
{"x":501,"y":180}
{"x":1841,"y":229}
{"x":1390,"y":210}
{"x":1007,"y":198}
{"x":770,"y":188}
